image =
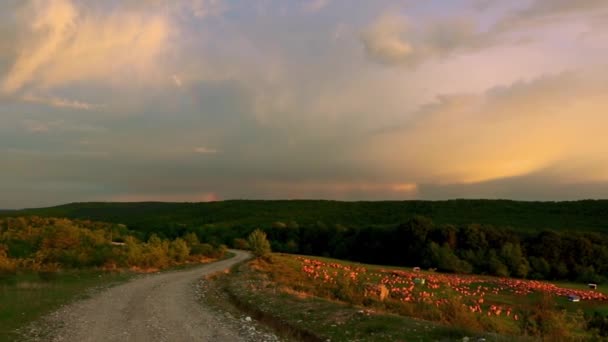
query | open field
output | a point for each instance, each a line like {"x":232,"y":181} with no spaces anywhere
{"x":26,"y":297}
{"x":342,"y":301}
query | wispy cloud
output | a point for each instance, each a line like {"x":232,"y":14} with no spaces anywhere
{"x":392,"y":40}
{"x":205,"y":150}
{"x":315,"y":5}
{"x":208,"y":8}
{"x":59,"y":102}
{"x":37,"y":126}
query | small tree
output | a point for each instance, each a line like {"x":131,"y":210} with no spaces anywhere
{"x":258,"y":243}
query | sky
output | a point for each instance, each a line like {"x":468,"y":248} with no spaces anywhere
{"x":204,"y":100}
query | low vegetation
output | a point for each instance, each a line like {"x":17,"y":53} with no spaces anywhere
{"x":258,"y":243}
{"x":336,"y":300}
{"x":27,"y":296}
{"x":46,"y":245}
{"x":45,"y":262}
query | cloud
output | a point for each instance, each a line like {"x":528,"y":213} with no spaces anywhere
{"x":385,"y":41}
{"x":205,"y":150}
{"x":163,"y":197}
{"x":59,"y":102}
{"x":511,"y":131}
{"x":339,"y":190}
{"x":315,"y":5}
{"x":37,"y":126}
{"x":177,"y":80}
{"x":394,"y":40}
{"x":208,"y":8}
{"x":391,"y":40}
{"x":542,"y":9}
{"x":63,"y":43}
{"x":34,"y":126}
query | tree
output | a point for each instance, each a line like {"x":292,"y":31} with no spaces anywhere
{"x":258,"y":243}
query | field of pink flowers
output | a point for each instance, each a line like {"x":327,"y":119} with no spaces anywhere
{"x":491,"y":296}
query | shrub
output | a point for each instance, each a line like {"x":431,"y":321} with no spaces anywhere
{"x":7,"y":266}
{"x":258,"y":243}
{"x":179,"y":250}
{"x":203,"y":249}
{"x":239,"y":243}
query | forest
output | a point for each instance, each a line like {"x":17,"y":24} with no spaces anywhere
{"x":172,"y":219}
{"x":534,"y":240}
{"x":471,"y":248}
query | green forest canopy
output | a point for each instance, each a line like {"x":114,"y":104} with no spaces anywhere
{"x":587,"y":215}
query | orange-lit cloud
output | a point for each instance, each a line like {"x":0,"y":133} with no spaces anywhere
{"x":336,"y":189}
{"x":505,"y":132}
{"x":179,"y":197}
{"x":65,"y":43}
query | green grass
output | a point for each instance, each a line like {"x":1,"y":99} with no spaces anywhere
{"x":26,"y":297}
{"x":277,"y":296}
{"x":338,"y":309}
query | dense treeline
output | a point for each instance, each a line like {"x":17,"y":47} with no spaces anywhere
{"x":539,"y":240}
{"x":472,"y":248}
{"x":173,"y":219}
{"x":48,"y":244}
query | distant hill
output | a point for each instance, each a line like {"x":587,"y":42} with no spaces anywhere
{"x":150,"y":216}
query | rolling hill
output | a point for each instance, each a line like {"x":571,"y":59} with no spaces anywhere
{"x":588,"y":215}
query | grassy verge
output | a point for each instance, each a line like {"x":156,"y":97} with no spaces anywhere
{"x":26,"y":297}
{"x":273,"y":294}
{"x":316,"y":299}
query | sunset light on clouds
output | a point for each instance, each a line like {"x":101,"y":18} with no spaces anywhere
{"x":201,"y":100}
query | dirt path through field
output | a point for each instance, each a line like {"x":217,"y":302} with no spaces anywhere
{"x":159,"y":307}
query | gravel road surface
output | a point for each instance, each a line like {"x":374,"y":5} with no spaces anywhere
{"x":159,"y":307}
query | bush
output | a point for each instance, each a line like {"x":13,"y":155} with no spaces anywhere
{"x":239,"y":243}
{"x":203,"y":249}
{"x":7,"y":266}
{"x":179,"y":250}
{"x":599,"y":325}
{"x":258,"y":243}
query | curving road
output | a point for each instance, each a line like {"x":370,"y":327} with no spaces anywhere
{"x":160,"y":307}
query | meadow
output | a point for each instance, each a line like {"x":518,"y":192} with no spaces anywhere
{"x":399,"y":302}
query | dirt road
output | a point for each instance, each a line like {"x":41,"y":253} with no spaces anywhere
{"x":160,"y":307}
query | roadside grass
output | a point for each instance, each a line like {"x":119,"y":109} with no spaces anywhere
{"x":276,"y":294}
{"x":325,"y":298}
{"x":25,"y":297}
